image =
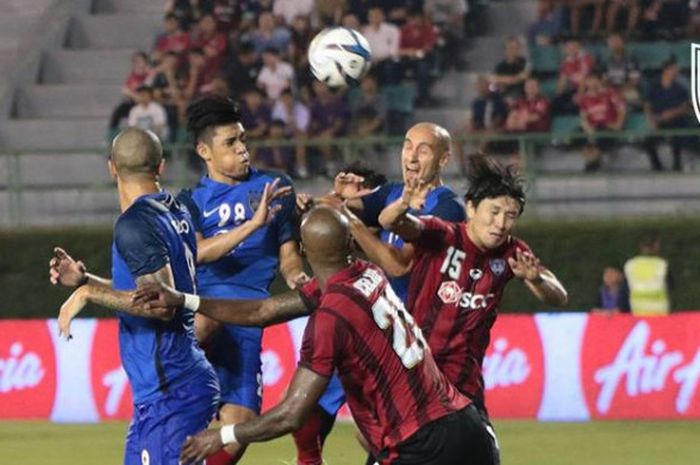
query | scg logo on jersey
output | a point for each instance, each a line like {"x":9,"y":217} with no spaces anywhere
{"x":451,"y":293}
{"x":474,"y":301}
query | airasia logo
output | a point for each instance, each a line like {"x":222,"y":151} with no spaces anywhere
{"x":27,"y":370}
{"x":110,"y":385}
{"x":649,"y":368}
{"x":513,"y":368}
{"x":450,"y":293}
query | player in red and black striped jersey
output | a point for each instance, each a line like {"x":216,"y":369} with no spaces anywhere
{"x":402,"y":403}
{"x":460,"y":270}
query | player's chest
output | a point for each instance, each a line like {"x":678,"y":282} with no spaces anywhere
{"x":222,"y":213}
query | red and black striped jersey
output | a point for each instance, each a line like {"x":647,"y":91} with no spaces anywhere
{"x":391,"y":381}
{"x":454,"y":294}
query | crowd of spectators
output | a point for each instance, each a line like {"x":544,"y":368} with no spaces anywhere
{"x":256,"y":52}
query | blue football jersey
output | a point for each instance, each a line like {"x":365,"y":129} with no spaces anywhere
{"x":247,"y":271}
{"x":441,"y":202}
{"x":158,"y":356}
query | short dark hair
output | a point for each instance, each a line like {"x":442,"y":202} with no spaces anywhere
{"x":170,"y":16}
{"x":205,"y":114}
{"x":489,"y":179}
{"x":372,"y":178}
{"x":144,"y":88}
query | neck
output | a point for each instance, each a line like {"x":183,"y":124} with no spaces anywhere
{"x":129,"y":191}
{"x":223,"y":179}
{"x":324,"y":271}
{"x":471,"y":234}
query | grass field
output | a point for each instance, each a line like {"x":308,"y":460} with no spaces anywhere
{"x":522,"y":443}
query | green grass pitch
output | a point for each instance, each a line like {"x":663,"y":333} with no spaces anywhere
{"x":522,"y":443}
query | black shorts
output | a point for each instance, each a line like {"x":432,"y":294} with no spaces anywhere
{"x":460,"y":438}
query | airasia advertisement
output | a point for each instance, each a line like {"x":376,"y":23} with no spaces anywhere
{"x":553,"y":367}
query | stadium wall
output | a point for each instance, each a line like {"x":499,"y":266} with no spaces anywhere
{"x":576,"y":251}
{"x":552,"y":367}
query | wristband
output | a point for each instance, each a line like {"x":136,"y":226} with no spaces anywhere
{"x":228,"y":434}
{"x":192,"y":302}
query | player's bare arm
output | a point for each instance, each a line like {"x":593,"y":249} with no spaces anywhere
{"x":114,"y":300}
{"x":394,"y":261}
{"x":213,"y":248}
{"x":291,"y":265}
{"x":303,"y":394}
{"x":541,"y":281}
{"x":273,"y":310}
{"x":66,"y":271}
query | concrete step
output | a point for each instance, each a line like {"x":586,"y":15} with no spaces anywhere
{"x":86,"y":66}
{"x":54,"y":134}
{"x":510,"y":17}
{"x":19,"y":8}
{"x":66,"y":100}
{"x":484,"y":53}
{"x":69,"y":207}
{"x":108,"y":31}
{"x":455,"y":88}
{"x":150,"y":7}
{"x":617,"y":209}
{"x":63,"y":169}
{"x":451,"y":118}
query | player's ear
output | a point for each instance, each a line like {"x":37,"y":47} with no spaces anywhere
{"x":445,"y":158}
{"x":161,"y":167}
{"x":112,"y":169}
{"x":203,"y":151}
{"x":471,"y":209}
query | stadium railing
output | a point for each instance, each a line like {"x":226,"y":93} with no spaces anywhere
{"x":15,"y":182}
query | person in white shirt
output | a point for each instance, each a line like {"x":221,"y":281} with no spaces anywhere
{"x":295,"y":116}
{"x":290,"y":9}
{"x":384,"y":39}
{"x":148,"y":114}
{"x":276,"y":75}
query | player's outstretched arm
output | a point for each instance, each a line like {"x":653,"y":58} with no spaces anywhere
{"x":66,"y":271}
{"x":303,"y":394}
{"x":277,"y":309}
{"x":394,"y":261}
{"x":541,"y":281}
{"x":213,"y":248}
{"x":395,"y":216}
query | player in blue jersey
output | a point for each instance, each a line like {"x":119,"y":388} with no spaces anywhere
{"x":222,"y":205}
{"x":174,"y":387}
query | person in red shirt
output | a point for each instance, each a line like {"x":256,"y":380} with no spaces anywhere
{"x":173,"y":39}
{"x":140,"y":72}
{"x":460,"y":270}
{"x":213,"y":44}
{"x":418,"y":38}
{"x":403,"y":405}
{"x":530,"y":113}
{"x":575,"y":66}
{"x":602,"y":108}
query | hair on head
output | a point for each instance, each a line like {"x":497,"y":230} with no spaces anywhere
{"x":205,"y":114}
{"x":372,"y":177}
{"x":489,"y":179}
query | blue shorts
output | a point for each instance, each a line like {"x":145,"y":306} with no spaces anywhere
{"x":159,"y":428}
{"x":235,"y":355}
{"x":334,"y":397}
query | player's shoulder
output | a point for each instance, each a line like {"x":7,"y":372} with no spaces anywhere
{"x":134,"y":224}
{"x":265,"y":176}
{"x":514,"y":243}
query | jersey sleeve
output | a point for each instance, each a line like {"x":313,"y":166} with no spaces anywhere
{"x":185,"y":198}
{"x":435,"y":235}
{"x":374,"y":203}
{"x":285,"y":219}
{"x":137,"y":240}
{"x":449,"y":209}
{"x":310,"y":294}
{"x":322,"y":343}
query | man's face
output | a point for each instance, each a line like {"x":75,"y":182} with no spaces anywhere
{"x":269,"y":59}
{"x":420,"y":156}
{"x":492,"y":221}
{"x":144,"y":97}
{"x":615,"y":43}
{"x":171,"y":25}
{"x":226,"y":155}
{"x":571,"y":48}
{"x":512,"y":49}
{"x":375,"y":16}
{"x":612,"y":276}
{"x":207,"y":25}
{"x":532,"y":88}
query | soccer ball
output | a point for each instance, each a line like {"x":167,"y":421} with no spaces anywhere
{"x":339,"y":56}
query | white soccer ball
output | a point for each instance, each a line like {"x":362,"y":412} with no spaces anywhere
{"x":339,"y":56}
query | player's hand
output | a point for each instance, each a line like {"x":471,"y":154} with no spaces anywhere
{"x":66,"y":271}
{"x":304,"y":203}
{"x":265,"y":213}
{"x":350,"y":186}
{"x":295,"y":282}
{"x":69,"y":310}
{"x":414,"y":193}
{"x":157,"y":296}
{"x":200,"y":446}
{"x":525,"y":265}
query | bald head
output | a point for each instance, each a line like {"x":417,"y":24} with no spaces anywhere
{"x":441,"y":137}
{"x":325,"y":236}
{"x":135,"y":151}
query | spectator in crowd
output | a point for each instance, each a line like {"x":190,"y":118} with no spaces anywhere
{"x":295,"y":116}
{"x":369,"y":109}
{"x":351,"y":20}
{"x":665,"y":19}
{"x":614,"y":9}
{"x":167,"y":89}
{"x":510,"y":74}
{"x":186,"y":11}
{"x":530,"y":113}
{"x":613,"y":295}
{"x":329,"y":12}
{"x":287,"y":11}
{"x":276,"y":75}
{"x":360,"y":9}
{"x":302,"y":34}
{"x":602,"y":108}
{"x":667,"y":106}
{"x":694,"y":21}
{"x":148,"y":114}
{"x":255,"y":114}
{"x":329,"y":115}
{"x":574,"y":68}
{"x":649,"y":279}
{"x":199,"y":75}
{"x":242,"y":70}
{"x":212,"y":43}
{"x":621,"y":71}
{"x":140,"y":72}
{"x":418,"y":38}
{"x":576,"y":8}
{"x":173,"y":39}
{"x":274,"y":155}
{"x":267,"y":35}
{"x":449,"y":17}
{"x":384,"y":39}
{"x":550,"y":23}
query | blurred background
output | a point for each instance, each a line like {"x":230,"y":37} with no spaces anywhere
{"x":592,"y":98}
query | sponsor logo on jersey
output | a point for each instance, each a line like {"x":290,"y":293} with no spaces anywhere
{"x":475,"y":274}
{"x":497,"y":266}
{"x":254,"y":198}
{"x":449,"y":292}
